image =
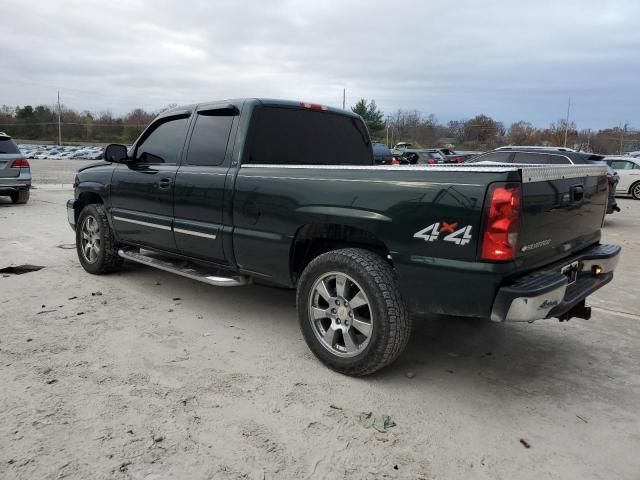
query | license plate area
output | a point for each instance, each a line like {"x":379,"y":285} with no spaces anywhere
{"x":571,"y":272}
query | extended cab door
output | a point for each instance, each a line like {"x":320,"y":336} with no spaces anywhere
{"x":200,"y":184}
{"x":142,"y":190}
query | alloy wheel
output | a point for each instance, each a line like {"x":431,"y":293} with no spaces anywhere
{"x":91,"y":242}
{"x":340,"y":314}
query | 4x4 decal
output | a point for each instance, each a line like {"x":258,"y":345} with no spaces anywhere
{"x":459,"y":236}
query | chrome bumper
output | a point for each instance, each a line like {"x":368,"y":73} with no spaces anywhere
{"x":548,"y":294}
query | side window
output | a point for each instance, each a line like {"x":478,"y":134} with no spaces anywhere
{"x":497,"y":157}
{"x":621,"y":165}
{"x":164,"y":143}
{"x":209,"y":139}
{"x":558,"y":160}
{"x":531,"y":158}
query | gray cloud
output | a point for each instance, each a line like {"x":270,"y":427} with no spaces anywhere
{"x":511,"y":60}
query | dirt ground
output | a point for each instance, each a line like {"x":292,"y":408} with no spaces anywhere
{"x":147,"y":375}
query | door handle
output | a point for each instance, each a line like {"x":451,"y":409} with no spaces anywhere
{"x":165,"y":183}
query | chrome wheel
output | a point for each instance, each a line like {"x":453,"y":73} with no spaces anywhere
{"x":635,"y":191}
{"x":90,"y":237}
{"x":340,"y":314}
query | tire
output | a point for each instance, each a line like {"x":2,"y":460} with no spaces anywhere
{"x":21,"y":196}
{"x":359,"y":323}
{"x":634,"y":191}
{"x":95,"y":243}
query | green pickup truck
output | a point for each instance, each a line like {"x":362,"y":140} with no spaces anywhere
{"x":287,"y":194}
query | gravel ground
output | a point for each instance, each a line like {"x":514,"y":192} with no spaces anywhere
{"x":143,"y":374}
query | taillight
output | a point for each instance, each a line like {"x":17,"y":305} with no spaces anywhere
{"x":431,"y":161}
{"x":501,"y":227}
{"x":458,"y":160}
{"x":20,"y":163}
{"x":395,"y":161}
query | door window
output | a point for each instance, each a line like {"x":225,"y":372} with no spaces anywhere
{"x":558,"y":160}
{"x":497,"y":157}
{"x":531,"y":158}
{"x":164,"y":143}
{"x":209,"y":139}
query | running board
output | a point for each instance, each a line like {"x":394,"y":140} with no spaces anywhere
{"x":185,"y":269}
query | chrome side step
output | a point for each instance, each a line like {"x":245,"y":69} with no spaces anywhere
{"x":186,"y":269}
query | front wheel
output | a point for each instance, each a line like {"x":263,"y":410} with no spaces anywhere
{"x":95,"y":242}
{"x":350,"y":311}
{"x":635,"y":190}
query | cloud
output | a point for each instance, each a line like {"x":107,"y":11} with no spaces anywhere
{"x":511,"y":60}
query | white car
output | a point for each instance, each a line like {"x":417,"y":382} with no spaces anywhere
{"x":629,"y":170}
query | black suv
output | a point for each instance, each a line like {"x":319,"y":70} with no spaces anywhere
{"x":552,"y":156}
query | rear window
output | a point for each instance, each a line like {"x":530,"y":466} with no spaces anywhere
{"x":296,"y":136}
{"x":381,"y":149}
{"x":7,"y":145}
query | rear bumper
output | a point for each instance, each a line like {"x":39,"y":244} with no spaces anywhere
{"x":14,"y":184}
{"x":547,"y":294}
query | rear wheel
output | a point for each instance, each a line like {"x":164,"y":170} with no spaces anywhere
{"x":95,"y":242}
{"x":21,"y":196}
{"x":635,"y":190}
{"x":350,"y":311}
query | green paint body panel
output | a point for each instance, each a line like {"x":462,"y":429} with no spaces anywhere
{"x":255,"y":212}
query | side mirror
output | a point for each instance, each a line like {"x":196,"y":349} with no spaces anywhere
{"x":116,"y":153}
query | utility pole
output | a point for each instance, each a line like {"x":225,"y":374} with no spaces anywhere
{"x":344,"y":95}
{"x":566,"y":125}
{"x":622,"y":132}
{"x":59,"y":126}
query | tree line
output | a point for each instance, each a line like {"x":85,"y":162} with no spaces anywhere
{"x":41,"y":123}
{"x":485,"y":133}
{"x":478,"y":133}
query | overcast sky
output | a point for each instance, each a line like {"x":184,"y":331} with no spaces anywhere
{"x":509,"y":59}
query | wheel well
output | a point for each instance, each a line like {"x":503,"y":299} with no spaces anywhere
{"x":86,"y":198}
{"x":315,"y":239}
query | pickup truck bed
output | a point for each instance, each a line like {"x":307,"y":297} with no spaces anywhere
{"x":365,"y":246}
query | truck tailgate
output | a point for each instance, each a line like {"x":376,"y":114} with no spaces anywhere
{"x":562,"y":212}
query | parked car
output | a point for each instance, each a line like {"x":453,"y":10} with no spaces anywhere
{"x":288,"y":193}
{"x":552,"y":156}
{"x":400,"y":147}
{"x":15,"y":173}
{"x":452,"y":156}
{"x":629,"y":170}
{"x":420,"y":157}
{"x":382,"y":154}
